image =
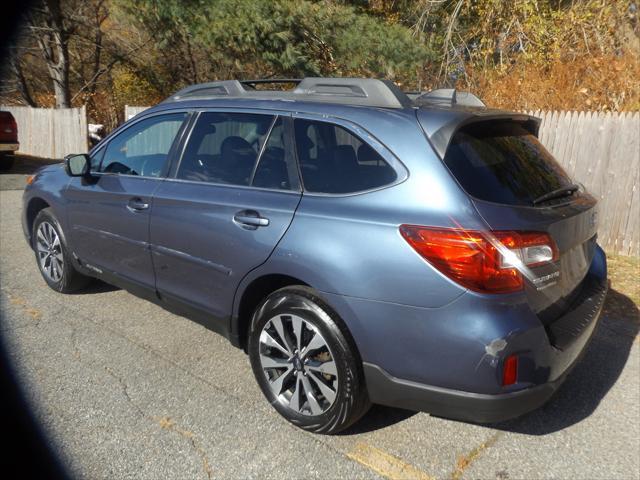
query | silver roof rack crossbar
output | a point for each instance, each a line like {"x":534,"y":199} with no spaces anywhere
{"x":350,"y":91}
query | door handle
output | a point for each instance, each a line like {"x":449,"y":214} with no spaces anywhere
{"x":137,"y":205}
{"x":250,"y":218}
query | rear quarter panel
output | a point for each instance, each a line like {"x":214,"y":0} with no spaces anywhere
{"x":350,"y":244}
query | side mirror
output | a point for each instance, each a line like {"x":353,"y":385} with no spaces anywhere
{"x":77,"y":165}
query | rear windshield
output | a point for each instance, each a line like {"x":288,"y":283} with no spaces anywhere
{"x":503,"y":163}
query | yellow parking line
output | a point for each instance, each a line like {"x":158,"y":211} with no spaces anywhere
{"x":465,"y":460}
{"x":385,"y":464}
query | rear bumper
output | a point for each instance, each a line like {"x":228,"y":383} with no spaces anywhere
{"x":477,"y":407}
{"x":443,"y":402}
{"x":448,"y":361}
{"x":579,"y":325}
{"x":9,"y":147}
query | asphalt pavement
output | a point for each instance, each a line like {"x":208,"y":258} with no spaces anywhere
{"x":24,"y":166}
{"x":125,"y":389}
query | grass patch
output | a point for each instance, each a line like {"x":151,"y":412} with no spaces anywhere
{"x":624,"y":299}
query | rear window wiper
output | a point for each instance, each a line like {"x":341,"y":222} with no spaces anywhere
{"x":557,"y":193}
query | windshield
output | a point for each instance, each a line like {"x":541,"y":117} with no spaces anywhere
{"x":502,"y":162}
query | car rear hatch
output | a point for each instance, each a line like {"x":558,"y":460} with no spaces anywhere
{"x":517,"y":185}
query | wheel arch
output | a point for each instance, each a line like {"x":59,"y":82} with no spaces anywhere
{"x":249,"y":296}
{"x":253,"y":290}
{"x":35,"y":206}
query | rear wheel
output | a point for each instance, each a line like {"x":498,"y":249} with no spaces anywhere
{"x":54,"y":260}
{"x":305,"y":362}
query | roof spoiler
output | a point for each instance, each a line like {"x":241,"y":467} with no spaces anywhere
{"x":441,"y":128}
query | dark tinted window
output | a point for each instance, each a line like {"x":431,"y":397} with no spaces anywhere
{"x":273,"y":171}
{"x":333,"y":160}
{"x":503,"y":163}
{"x":224,"y":147}
{"x":143,"y":148}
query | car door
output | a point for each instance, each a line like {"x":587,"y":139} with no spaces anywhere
{"x":224,"y":208}
{"x":108,"y":213}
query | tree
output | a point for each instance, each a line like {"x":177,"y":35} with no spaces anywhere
{"x":52,"y":28}
{"x":205,"y":40}
{"x":64,"y":48}
{"x":107,"y":53}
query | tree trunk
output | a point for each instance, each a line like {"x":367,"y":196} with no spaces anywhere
{"x":60,"y":77}
{"x":53,"y":39}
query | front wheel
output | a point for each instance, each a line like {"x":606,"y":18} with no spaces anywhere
{"x":305,"y":362}
{"x":54,"y":260}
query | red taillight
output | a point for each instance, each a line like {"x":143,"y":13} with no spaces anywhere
{"x":487,"y":262}
{"x":8,"y":123}
{"x":510,"y":370}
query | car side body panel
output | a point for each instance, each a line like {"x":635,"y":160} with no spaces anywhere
{"x":196,"y":242}
{"x":105,"y":233}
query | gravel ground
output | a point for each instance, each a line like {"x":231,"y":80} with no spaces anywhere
{"x":125,"y":389}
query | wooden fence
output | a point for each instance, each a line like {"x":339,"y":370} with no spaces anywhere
{"x":131,"y":111}
{"x":602,"y":151}
{"x":50,"y":133}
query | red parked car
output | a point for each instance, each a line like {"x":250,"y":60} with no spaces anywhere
{"x":8,"y":140}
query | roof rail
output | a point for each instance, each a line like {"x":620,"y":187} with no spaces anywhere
{"x":448,"y":97}
{"x":376,"y":92}
{"x":349,"y":91}
{"x":224,"y":88}
{"x":269,"y":81}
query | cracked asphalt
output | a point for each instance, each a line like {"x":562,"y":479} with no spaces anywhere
{"x":125,"y":389}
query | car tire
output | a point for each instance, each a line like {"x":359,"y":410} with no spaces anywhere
{"x":6,"y":162}
{"x":52,"y":256}
{"x":306,"y":362}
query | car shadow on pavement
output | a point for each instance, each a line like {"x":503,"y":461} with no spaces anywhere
{"x":376,"y":418}
{"x":15,"y":178}
{"x":577,"y":398}
{"x":97,"y":286}
{"x":26,"y":165}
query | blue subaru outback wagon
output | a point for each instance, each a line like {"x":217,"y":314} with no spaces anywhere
{"x":361,"y":244}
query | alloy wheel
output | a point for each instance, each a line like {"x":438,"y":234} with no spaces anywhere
{"x":298,"y":364}
{"x":49,"y":251}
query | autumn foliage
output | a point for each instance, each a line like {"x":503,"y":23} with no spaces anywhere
{"x":517,"y":54}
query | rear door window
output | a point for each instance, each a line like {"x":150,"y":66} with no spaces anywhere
{"x":273,"y":170}
{"x":334,"y":160}
{"x":224,"y":147}
{"x":503,"y":163}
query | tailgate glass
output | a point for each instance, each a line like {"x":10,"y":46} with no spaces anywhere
{"x":502,"y":162}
